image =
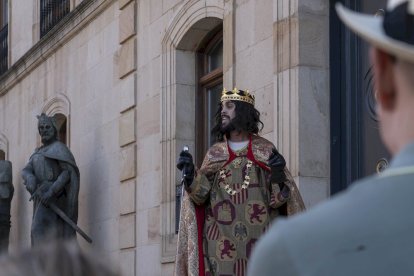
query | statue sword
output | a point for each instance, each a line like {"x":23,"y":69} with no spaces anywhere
{"x":65,"y":218}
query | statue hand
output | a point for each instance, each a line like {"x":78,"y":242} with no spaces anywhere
{"x":46,"y":197}
{"x":30,"y":186}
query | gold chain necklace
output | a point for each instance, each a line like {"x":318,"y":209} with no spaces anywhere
{"x":245,"y":184}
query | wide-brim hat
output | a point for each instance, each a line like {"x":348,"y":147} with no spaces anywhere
{"x":392,"y":33}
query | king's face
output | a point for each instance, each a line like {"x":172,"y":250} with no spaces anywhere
{"x":228,"y":112}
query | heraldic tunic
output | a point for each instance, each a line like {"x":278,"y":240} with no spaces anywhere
{"x":240,"y":203}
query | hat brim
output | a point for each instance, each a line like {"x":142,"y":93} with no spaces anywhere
{"x":370,"y":28}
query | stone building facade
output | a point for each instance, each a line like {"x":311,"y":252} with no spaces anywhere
{"x":122,"y":78}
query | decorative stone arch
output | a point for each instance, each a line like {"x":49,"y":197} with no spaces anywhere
{"x":190,"y":24}
{"x":4,"y":147}
{"x":59,"y":106}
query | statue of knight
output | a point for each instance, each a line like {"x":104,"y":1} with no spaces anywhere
{"x":52,"y":178}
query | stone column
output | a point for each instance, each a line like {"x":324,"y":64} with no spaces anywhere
{"x":301,"y":78}
{"x":127,"y":135}
{"x":228,"y":44}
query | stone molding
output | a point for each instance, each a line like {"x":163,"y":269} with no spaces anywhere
{"x":123,"y":3}
{"x":186,"y":16}
{"x":127,"y":66}
{"x":68,"y":27}
{"x":128,"y":162}
{"x":127,"y":262}
{"x":58,"y":104}
{"x":286,"y":125}
{"x":127,"y":57}
{"x":127,"y":126}
{"x":127,"y":197}
{"x":127,"y":22}
{"x":127,"y":233}
{"x":189,"y":13}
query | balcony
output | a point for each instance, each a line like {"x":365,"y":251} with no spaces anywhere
{"x":51,"y":12}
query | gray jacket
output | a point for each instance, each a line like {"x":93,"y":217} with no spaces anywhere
{"x":366,"y":230}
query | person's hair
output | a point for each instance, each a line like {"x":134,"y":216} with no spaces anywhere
{"x":247,"y":119}
{"x":63,"y":258}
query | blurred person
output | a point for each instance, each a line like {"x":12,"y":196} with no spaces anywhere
{"x":367,"y":229}
{"x":242,"y":185}
{"x":55,"y":258}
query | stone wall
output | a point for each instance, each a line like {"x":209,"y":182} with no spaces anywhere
{"x":301,"y":79}
{"x":73,"y":72}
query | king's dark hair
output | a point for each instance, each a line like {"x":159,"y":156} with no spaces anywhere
{"x":247,"y":119}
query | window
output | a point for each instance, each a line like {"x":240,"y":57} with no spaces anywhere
{"x":4,"y":32}
{"x":2,"y":155}
{"x":4,"y":16}
{"x":51,"y":12}
{"x":210,"y":86}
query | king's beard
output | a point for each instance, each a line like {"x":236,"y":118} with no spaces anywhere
{"x":226,"y":129}
{"x":48,"y":140}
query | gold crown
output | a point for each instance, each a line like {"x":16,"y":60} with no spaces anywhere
{"x":237,"y":95}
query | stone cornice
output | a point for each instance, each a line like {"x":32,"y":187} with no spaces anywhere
{"x":69,"y":26}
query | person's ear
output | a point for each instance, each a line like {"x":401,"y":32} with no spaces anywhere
{"x":384,"y":79}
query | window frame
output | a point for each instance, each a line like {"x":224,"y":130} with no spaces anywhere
{"x":4,"y":13}
{"x":4,"y":36}
{"x":205,"y":81}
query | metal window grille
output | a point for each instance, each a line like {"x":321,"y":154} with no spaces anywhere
{"x":4,"y":49}
{"x":51,"y":12}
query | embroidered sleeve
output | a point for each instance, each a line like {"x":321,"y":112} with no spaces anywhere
{"x":277,"y":199}
{"x":199,"y":190}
